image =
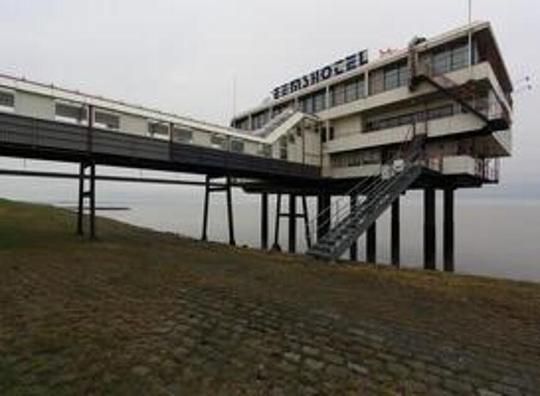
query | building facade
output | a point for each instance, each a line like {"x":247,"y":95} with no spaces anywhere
{"x":454,"y":89}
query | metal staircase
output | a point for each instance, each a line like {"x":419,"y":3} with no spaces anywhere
{"x":378,"y":193}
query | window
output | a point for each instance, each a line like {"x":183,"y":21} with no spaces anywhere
{"x":237,"y":146}
{"x":391,"y":79}
{"x":259,"y":120}
{"x":351,"y":91}
{"x":460,"y":57}
{"x":265,"y":150}
{"x":72,"y":112}
{"x":218,"y":142}
{"x":306,"y":104}
{"x":7,"y":99}
{"x":283,"y":148}
{"x":182,"y":136}
{"x":243,"y":123}
{"x":319,"y":101}
{"x":408,"y":119}
{"x":396,"y":76}
{"x":107,"y":120}
{"x":159,"y":129}
{"x":338,"y":95}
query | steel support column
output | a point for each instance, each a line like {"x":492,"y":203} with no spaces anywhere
{"x":264,"y":221}
{"x":371,"y":243}
{"x":448,"y":228}
{"x":353,"y":253}
{"x":232,"y":239}
{"x":204,"y":236}
{"x":429,"y":229}
{"x":90,"y":195}
{"x":396,"y":233}
{"x":292,"y":223}
{"x":209,"y":188}
{"x":323,"y":214}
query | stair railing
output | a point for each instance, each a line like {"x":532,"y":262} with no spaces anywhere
{"x":367,"y":187}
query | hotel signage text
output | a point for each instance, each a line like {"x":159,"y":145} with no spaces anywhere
{"x":342,"y":66}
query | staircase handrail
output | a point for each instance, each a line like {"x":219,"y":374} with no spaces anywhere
{"x":370,"y":182}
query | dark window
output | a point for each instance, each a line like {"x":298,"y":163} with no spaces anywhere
{"x":351,"y":91}
{"x":338,"y":95}
{"x":319,"y":101}
{"x":283,"y":148}
{"x":75,"y":112}
{"x":218,"y":142}
{"x":331,"y":133}
{"x":111,"y":121}
{"x":155,"y":128}
{"x":265,"y":150}
{"x":182,"y":135}
{"x":391,"y":79}
{"x":460,"y":57}
{"x":7,"y":99}
{"x":237,"y":146}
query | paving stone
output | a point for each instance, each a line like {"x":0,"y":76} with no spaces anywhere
{"x":314,"y":364}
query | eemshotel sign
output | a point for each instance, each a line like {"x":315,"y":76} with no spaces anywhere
{"x":335,"y":69}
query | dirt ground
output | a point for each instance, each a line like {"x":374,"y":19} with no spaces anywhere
{"x":141,"y":312}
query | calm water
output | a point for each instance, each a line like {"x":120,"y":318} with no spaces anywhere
{"x":493,"y":237}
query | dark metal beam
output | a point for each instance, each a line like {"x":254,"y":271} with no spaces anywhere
{"x":353,"y":254}
{"x":448,"y":229}
{"x":292,"y":223}
{"x":371,"y":243}
{"x":232,"y":240}
{"x":127,"y":179}
{"x":264,"y":221}
{"x":396,"y":233}
{"x":429,"y":229}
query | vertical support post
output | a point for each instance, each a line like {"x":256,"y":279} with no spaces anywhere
{"x":292,"y":223}
{"x":264,"y":221}
{"x":371,"y":243}
{"x":80,"y":229}
{"x":232,"y":240}
{"x":395,"y":233}
{"x":354,"y":247}
{"x":448,"y":245}
{"x":323,"y":214}
{"x":278,"y":218}
{"x":93,"y":200}
{"x":306,"y":221}
{"x":204,"y":236}
{"x":429,"y":229}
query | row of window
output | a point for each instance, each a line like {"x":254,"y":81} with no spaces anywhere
{"x":450,"y":59}
{"x":355,"y":158}
{"x":347,"y":92}
{"x":410,"y":118}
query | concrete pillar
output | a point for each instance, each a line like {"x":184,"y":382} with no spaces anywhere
{"x":354,"y":247}
{"x":395,"y":233}
{"x":292,"y":223}
{"x":448,"y":228}
{"x":371,"y":243}
{"x":430,"y":239}
{"x":264,"y":221}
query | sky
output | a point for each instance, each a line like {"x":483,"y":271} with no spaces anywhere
{"x":187,"y":56}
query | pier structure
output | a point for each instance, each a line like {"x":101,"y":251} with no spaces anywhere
{"x":355,"y":136}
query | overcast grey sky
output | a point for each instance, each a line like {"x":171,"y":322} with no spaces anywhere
{"x":183,"y":55}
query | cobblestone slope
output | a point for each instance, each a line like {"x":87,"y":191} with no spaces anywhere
{"x":147,"y":313}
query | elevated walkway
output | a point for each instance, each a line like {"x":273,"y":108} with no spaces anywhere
{"x":27,"y":137}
